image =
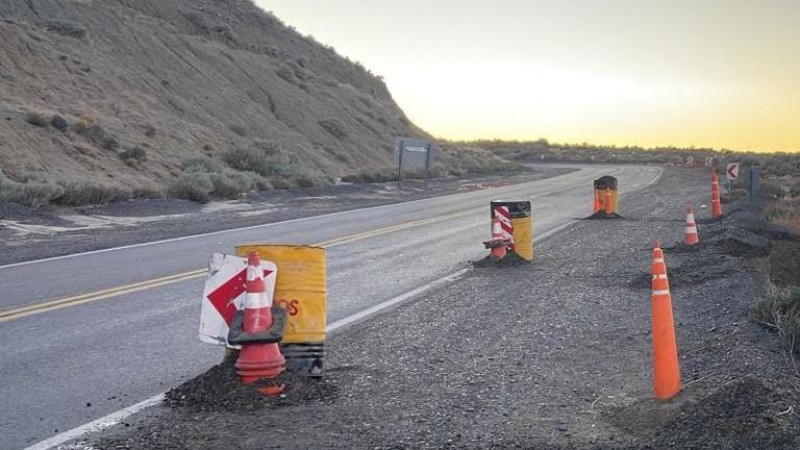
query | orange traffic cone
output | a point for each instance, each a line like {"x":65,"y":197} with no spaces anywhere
{"x":666,"y":373}
{"x":258,"y":361}
{"x":716,"y":204}
{"x":609,"y":210}
{"x":690,"y":228}
{"x":596,"y":203}
{"x":497,"y":243}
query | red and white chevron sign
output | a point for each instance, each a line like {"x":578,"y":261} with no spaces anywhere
{"x":501,"y":212}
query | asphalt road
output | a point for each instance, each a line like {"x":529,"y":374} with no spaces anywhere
{"x":62,"y":367}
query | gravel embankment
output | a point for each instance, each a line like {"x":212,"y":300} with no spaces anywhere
{"x":550,"y":355}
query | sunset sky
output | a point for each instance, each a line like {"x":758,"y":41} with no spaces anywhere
{"x":703,"y":73}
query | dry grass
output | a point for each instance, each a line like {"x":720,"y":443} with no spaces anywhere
{"x":785,"y":213}
{"x":780,"y":312}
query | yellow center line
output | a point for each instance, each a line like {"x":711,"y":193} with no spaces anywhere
{"x":29,"y":310}
{"x":38,"y":308}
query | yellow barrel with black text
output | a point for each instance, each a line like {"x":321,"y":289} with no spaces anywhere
{"x":520,"y":212}
{"x":607,"y":183}
{"x":300,"y":289}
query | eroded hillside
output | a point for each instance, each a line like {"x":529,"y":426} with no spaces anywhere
{"x":135,"y":94}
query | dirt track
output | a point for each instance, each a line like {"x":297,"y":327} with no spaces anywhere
{"x":552,"y":355}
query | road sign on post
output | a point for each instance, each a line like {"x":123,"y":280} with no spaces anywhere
{"x":733,"y":171}
{"x":413,"y":153}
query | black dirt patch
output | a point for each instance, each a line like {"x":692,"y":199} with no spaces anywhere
{"x":219,"y":389}
{"x":746,"y":413}
{"x":511,"y":260}
{"x":699,"y":269}
{"x":601,"y":215}
{"x":31,"y":216}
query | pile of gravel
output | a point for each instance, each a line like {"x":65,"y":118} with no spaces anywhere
{"x":219,"y":389}
{"x":512,"y":259}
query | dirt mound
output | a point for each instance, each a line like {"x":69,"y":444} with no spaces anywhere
{"x":739,"y":241}
{"x":746,"y":413}
{"x":511,"y":260}
{"x":218,"y":389}
{"x":784,"y":263}
{"x":693,"y":271}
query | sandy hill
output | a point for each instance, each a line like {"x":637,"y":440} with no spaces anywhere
{"x":134,"y":95}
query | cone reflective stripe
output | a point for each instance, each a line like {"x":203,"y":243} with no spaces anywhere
{"x":596,"y":203}
{"x":690,"y":236}
{"x":258,"y":361}
{"x":609,"y":209}
{"x":666,"y":371}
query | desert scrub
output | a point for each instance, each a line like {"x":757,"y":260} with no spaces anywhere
{"x":786,"y":213}
{"x":77,"y":193}
{"x":31,"y":193}
{"x":335,"y":127}
{"x":194,"y":186}
{"x":37,"y":119}
{"x":208,"y":165}
{"x":59,"y":123}
{"x":780,"y":311}
{"x":134,"y":156}
{"x":67,"y":28}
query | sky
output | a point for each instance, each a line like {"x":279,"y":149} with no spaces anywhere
{"x":702,"y":73}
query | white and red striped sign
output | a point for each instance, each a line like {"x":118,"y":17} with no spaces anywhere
{"x":501,"y":212}
{"x":224,"y":293}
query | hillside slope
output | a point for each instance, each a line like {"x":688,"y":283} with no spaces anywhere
{"x":144,"y":86}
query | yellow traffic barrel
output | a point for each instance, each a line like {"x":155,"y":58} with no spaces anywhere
{"x":600,"y":186}
{"x":518,"y":213}
{"x":300,"y":289}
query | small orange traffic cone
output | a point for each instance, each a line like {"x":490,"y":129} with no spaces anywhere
{"x":716,"y":204}
{"x":596,"y":203}
{"x":258,"y":361}
{"x":666,"y":373}
{"x":609,"y":210}
{"x":690,"y":228}
{"x":497,"y":243}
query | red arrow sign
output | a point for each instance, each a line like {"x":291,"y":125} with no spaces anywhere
{"x":223,"y":296}
{"x":733,"y":171}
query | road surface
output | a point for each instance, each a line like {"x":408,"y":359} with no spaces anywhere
{"x":88,"y":334}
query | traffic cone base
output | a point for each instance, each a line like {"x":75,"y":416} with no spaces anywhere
{"x":498,"y":244}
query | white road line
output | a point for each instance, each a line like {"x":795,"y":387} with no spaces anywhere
{"x":118,"y":416}
{"x":97,"y":425}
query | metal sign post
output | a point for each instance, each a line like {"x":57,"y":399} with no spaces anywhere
{"x":413,"y":153}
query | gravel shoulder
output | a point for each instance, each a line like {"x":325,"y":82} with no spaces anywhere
{"x":553,"y":355}
{"x":28,"y":234}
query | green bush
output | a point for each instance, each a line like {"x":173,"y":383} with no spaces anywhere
{"x":194,"y":186}
{"x":202,"y":164}
{"x":252,"y":159}
{"x":31,"y":193}
{"x":77,"y":193}
{"x":335,"y":127}
{"x":232,"y":183}
{"x":137,"y":154}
